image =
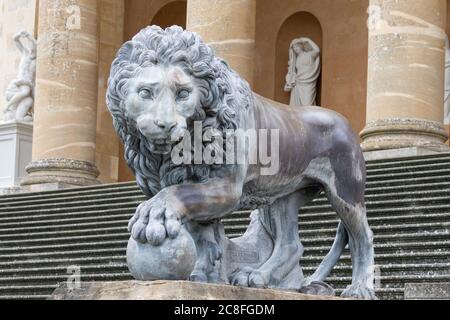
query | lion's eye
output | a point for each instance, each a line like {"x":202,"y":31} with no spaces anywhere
{"x":145,"y":94}
{"x":183,"y":94}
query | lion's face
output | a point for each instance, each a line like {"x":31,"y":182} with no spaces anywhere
{"x":161,"y":100}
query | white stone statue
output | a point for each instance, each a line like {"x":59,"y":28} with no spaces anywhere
{"x":20,"y":92}
{"x":447,"y":83}
{"x":304,"y":71}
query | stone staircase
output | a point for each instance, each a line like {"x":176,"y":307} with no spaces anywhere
{"x":408,"y":200}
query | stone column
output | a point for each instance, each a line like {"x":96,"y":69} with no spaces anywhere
{"x":66,"y":95}
{"x":405,"y":89}
{"x":228,"y":26}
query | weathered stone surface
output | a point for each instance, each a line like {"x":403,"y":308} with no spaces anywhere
{"x":66,"y":89}
{"x":397,"y":153}
{"x":228,"y":26}
{"x":405,"y":75}
{"x":427,"y":291}
{"x":173,"y":290}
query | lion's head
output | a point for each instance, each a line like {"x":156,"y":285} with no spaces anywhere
{"x":161,"y":82}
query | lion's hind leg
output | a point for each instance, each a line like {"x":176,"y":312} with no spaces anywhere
{"x":346,"y":195}
{"x":287,"y":249}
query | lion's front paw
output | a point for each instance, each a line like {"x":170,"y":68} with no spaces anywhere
{"x":153,"y":222}
{"x":359,"y":292}
{"x":248,"y":277}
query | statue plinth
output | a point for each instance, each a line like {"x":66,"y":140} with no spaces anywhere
{"x":173,"y":290}
{"x":16,"y":145}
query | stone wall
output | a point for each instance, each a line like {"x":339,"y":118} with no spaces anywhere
{"x":15,"y":16}
{"x":344,"y":51}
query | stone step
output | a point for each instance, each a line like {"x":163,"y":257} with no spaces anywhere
{"x":400,"y":162}
{"x":372,"y":193}
{"x":120,"y":267}
{"x":397,"y":194}
{"x":25,"y":297}
{"x":392,"y":204}
{"x":413,"y":180}
{"x":112,"y":195}
{"x":236,"y":228}
{"x":52,"y":216}
{"x":30,"y":291}
{"x":432,"y":158}
{"x":63,"y":254}
{"x":408,"y":202}
{"x":324,"y":219}
{"x":87,"y":248}
{"x":408,"y":168}
{"x":115,"y":197}
{"x":394,"y":281}
{"x":407,"y":188}
{"x":55,"y":262}
{"x":317,"y":219}
{"x":383,"y":258}
{"x":46,"y":238}
{"x":42,"y":233}
{"x":382,"y":177}
{"x":55,"y":279}
{"x":117,"y":201}
{"x":379,"y":221}
{"x":234,"y":231}
{"x":388,"y":238}
{"x":72,"y":191}
{"x":319,"y":204}
{"x":61,"y":210}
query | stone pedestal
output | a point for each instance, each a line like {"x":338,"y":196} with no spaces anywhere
{"x":405,"y":88}
{"x":16,"y":146}
{"x":427,"y":291}
{"x":173,"y":290}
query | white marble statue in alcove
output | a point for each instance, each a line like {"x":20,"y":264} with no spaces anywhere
{"x":304,"y":72}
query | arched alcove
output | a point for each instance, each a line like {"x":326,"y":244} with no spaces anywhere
{"x":171,"y":14}
{"x":142,"y":13}
{"x":300,"y":24}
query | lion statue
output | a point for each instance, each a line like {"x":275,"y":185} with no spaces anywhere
{"x":163,"y":83}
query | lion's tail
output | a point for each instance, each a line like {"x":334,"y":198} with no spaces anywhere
{"x":332,"y":257}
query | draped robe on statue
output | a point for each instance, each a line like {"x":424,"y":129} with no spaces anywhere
{"x":304,"y":71}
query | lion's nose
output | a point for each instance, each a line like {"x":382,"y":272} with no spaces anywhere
{"x":165,"y":125}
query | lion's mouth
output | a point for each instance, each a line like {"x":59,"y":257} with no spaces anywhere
{"x":161,"y":146}
{"x":165,"y":145}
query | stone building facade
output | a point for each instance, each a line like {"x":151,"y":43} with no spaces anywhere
{"x":383,"y":68}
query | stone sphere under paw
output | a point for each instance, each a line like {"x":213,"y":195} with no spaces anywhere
{"x":174,"y":259}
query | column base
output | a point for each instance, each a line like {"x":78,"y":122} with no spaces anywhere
{"x":53,"y":174}
{"x":398,"y":153}
{"x":399,"y":133}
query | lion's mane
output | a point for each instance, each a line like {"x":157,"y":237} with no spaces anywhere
{"x":224,"y":97}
